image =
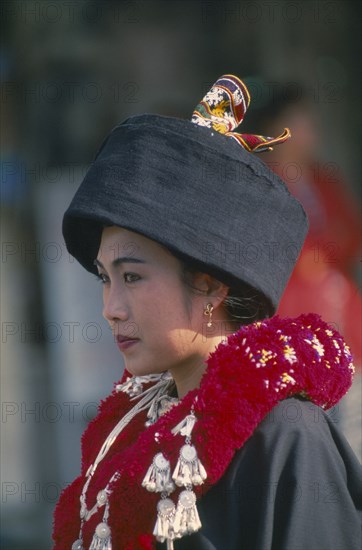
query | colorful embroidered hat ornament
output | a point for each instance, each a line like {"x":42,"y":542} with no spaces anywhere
{"x":223,"y":109}
{"x":194,"y":187}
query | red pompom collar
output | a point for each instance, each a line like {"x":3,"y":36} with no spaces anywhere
{"x":246,"y":376}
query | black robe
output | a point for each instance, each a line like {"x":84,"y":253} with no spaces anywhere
{"x":295,"y":485}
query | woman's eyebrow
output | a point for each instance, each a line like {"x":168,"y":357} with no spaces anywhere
{"x":121,"y":260}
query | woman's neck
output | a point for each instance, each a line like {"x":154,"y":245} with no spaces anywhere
{"x":188,"y":377}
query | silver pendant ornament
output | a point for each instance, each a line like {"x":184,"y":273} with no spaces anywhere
{"x":189,"y":470}
{"x":102,"y":536}
{"x":163,"y":529}
{"x":158,"y":476}
{"x":186,"y":520}
{"x":175,"y":522}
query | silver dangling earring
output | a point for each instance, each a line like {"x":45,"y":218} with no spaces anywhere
{"x":208,"y":311}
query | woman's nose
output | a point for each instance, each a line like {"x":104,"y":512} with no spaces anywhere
{"x":114,"y":305}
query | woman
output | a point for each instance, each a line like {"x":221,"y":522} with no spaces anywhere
{"x":215,"y":438}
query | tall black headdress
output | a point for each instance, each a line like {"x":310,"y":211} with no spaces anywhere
{"x":195,"y":187}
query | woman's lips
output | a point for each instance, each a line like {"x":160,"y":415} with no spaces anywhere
{"x":125,"y":343}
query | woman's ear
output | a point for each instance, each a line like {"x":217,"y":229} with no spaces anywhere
{"x":211,"y":287}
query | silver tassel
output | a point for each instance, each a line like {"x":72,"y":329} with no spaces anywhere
{"x":102,"y":536}
{"x":175,"y":522}
{"x":187,"y":518}
{"x":158,"y":476}
{"x":189,"y":469}
{"x":165,"y":515}
{"x":186,"y":426}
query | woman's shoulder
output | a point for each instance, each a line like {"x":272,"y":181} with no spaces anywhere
{"x":298,"y":418}
{"x":299,"y":433}
{"x":294,"y":484}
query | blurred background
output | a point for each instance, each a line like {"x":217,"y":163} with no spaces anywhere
{"x":70,"y":71}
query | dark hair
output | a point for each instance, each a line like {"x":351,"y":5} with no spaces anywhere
{"x":243,"y":304}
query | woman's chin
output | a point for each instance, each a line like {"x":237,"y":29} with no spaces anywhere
{"x":138,"y":370}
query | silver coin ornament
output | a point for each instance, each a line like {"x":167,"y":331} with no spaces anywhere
{"x":165,"y":507}
{"x":188,"y":453}
{"x":187,"y":499}
{"x":161,"y":462}
{"x":102,"y":530}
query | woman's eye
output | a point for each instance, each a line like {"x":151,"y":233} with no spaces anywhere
{"x":103,"y":278}
{"x":130,"y":277}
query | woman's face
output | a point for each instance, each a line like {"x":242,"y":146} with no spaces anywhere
{"x":146,"y":301}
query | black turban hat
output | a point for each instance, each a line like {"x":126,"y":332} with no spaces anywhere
{"x":195,"y":187}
